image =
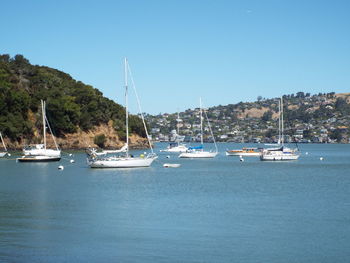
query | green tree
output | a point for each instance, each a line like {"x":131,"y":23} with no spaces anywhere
{"x":100,"y":140}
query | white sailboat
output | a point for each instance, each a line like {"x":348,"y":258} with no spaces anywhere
{"x":198,"y":152}
{"x":281,"y":153}
{"x":124,"y":159}
{"x":40,"y":152}
{"x":94,"y":151}
{"x":3,"y":152}
{"x":177,"y":146}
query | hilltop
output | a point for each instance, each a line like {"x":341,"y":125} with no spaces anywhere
{"x":78,"y":113}
{"x":321,"y":118}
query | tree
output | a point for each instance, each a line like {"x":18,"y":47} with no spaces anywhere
{"x":336,"y":135}
{"x":267,"y":116}
{"x":300,"y":94}
{"x":100,"y":140}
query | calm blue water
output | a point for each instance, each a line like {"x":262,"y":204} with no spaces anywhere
{"x":214,"y":210}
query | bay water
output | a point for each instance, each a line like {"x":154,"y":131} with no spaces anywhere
{"x":207,"y":210}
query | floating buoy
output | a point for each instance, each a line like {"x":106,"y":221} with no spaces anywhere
{"x":171,"y":165}
{"x":70,"y":154}
{"x":321,"y":158}
{"x":142,"y":155}
{"x":72,"y":161}
{"x":9,"y":154}
{"x":241,"y":159}
{"x":60,"y":167}
{"x":168,"y":156}
{"x":306,"y":153}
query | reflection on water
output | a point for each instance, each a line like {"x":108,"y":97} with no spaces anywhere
{"x":210,"y":210}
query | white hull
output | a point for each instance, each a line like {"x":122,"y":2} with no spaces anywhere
{"x":121,"y":162}
{"x":279,"y":156}
{"x":198,"y":154}
{"x":242,"y":154}
{"x":171,"y":165}
{"x":2,"y":154}
{"x":42,"y":152}
{"x":178,"y":149}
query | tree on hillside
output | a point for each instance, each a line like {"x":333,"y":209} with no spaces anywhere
{"x":70,"y":104}
{"x":267,"y":116}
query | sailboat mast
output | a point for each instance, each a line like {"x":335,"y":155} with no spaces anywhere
{"x":200,"y":110}
{"x":126,"y":105}
{"x":3,"y":143}
{"x":282,"y":125}
{"x":279,"y":121}
{"x":44,"y":122}
{"x":178,"y":120}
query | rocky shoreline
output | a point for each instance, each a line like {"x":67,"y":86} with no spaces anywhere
{"x":82,"y":140}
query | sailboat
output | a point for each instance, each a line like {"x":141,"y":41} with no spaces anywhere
{"x":94,"y":151}
{"x":40,"y":152}
{"x":176,"y":146}
{"x":198,"y":152}
{"x":3,"y":153}
{"x":125,"y":159}
{"x":281,"y":153}
{"x":279,"y":126}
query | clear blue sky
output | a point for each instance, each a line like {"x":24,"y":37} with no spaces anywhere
{"x":223,"y":51}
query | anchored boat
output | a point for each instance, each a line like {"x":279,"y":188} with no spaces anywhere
{"x":123,"y":159}
{"x":198,"y":152}
{"x":245,"y":151}
{"x":40,"y":152}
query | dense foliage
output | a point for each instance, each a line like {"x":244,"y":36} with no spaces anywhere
{"x":100,"y":140}
{"x":70,"y":104}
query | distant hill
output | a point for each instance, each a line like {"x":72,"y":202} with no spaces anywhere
{"x":323,"y":117}
{"x":77,"y":112}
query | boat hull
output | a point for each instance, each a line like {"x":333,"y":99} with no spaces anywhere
{"x":175,"y":150}
{"x":38,"y":159}
{"x":171,"y":165}
{"x":279,"y":157}
{"x":42,"y":152}
{"x":2,"y":154}
{"x":242,"y":154}
{"x":198,"y":155}
{"x":121,"y":163}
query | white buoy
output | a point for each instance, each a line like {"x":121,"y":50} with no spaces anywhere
{"x":307,"y":153}
{"x":241,"y":159}
{"x":168,"y":156}
{"x":60,"y":167}
{"x":171,"y":165}
{"x":72,"y":161}
{"x":70,"y":154}
{"x":321,"y":158}
{"x":9,"y":154}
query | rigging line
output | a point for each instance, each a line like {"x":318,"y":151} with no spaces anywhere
{"x":53,"y":136}
{"x":211,"y":132}
{"x":3,"y":143}
{"x":139,"y":106}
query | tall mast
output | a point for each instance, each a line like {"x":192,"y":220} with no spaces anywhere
{"x":126,"y":105}
{"x":3,"y":143}
{"x":200,"y":109}
{"x":282,"y":125}
{"x":178,"y":120}
{"x":279,"y":121}
{"x":44,"y":122}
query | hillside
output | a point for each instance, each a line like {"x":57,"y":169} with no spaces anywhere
{"x":77,"y":112}
{"x":307,"y":118}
